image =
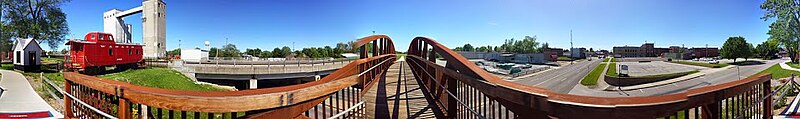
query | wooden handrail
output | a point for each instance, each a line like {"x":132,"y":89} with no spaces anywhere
{"x":285,"y":101}
{"x":528,"y":99}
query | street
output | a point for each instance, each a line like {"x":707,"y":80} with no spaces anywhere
{"x":563,"y":79}
{"x":726,"y":75}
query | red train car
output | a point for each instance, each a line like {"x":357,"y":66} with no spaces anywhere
{"x":98,"y":51}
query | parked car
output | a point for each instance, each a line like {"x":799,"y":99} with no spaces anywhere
{"x":713,"y":61}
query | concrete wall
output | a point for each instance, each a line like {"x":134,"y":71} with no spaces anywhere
{"x":154,"y":25}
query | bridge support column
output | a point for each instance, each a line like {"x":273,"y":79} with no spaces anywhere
{"x":253,"y":84}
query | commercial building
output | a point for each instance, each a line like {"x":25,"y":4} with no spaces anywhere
{"x":704,"y":52}
{"x":646,"y":50}
{"x":534,"y":58}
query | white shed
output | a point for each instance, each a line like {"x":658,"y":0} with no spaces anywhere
{"x":193,"y":55}
{"x":27,"y":54}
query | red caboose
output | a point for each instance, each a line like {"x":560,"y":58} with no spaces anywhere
{"x":98,"y":50}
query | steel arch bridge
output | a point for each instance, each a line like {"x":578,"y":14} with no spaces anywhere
{"x":376,"y":86}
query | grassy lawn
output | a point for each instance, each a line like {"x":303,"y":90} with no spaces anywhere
{"x":606,"y":59}
{"x":703,"y":64}
{"x":793,"y":65}
{"x":563,"y":58}
{"x":46,"y":60}
{"x":612,"y":70}
{"x":7,"y":66}
{"x":159,"y":78}
{"x":777,"y":72}
{"x":591,"y":78}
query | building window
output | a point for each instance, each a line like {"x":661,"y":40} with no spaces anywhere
{"x":19,"y":54}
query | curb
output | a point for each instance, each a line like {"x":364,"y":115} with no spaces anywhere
{"x":654,"y":84}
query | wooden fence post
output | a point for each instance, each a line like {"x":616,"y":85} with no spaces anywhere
{"x":767,"y":89}
{"x":67,"y":100}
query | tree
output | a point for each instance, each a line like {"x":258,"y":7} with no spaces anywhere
{"x":176,"y":51}
{"x":286,"y":51}
{"x":767,"y":49}
{"x":736,"y":47}
{"x":328,"y":51}
{"x":277,"y":52}
{"x":459,"y":49}
{"x":213,"y":52}
{"x":786,"y":27}
{"x":265,"y":54}
{"x":468,"y":47}
{"x":229,"y":50}
{"x":253,"y":52}
{"x":64,"y":51}
{"x":527,"y":45}
{"x":42,"y":20}
{"x":5,"y":38}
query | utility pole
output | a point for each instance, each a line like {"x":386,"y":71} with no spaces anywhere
{"x":571,"y":48}
{"x":706,"y":54}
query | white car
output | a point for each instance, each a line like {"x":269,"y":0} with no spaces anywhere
{"x":713,"y":61}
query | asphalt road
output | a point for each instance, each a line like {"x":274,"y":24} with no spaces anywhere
{"x":726,"y":75}
{"x":563,"y":79}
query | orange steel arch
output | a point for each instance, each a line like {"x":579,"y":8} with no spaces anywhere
{"x":536,"y":102}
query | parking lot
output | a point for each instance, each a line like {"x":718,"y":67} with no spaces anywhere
{"x":654,"y":68}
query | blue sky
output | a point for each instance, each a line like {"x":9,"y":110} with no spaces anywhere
{"x":599,"y":24}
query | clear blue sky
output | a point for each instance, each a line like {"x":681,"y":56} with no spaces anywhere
{"x":599,"y":24}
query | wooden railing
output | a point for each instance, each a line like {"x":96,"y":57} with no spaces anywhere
{"x":463,"y":90}
{"x":337,"y":95}
{"x":458,"y":87}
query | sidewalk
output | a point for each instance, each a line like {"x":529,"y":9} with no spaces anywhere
{"x":787,"y":67}
{"x":20,"y":98}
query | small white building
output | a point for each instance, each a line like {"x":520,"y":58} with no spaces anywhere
{"x":350,"y":55}
{"x":27,"y":55}
{"x":193,"y":55}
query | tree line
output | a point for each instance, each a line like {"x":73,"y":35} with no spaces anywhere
{"x":230,"y":50}
{"x":528,"y":44}
{"x":737,"y":47}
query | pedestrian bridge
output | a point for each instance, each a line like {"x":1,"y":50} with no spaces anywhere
{"x":382,"y":85}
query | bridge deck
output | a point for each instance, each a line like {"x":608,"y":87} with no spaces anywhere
{"x":398,"y":96}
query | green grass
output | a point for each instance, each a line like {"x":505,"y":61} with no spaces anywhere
{"x":7,"y":66}
{"x":777,"y":72}
{"x":793,"y":65}
{"x":563,"y":58}
{"x":703,"y":64}
{"x":606,"y":59}
{"x":591,"y":78}
{"x":159,"y":78}
{"x":612,"y":70}
{"x":46,"y":60}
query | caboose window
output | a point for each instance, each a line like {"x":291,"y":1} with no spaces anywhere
{"x":130,"y":52}
{"x":110,"y":52}
{"x":93,"y":35}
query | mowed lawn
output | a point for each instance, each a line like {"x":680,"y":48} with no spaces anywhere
{"x":778,"y":72}
{"x":159,"y":78}
{"x":591,"y":78}
{"x":702,"y":64}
